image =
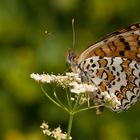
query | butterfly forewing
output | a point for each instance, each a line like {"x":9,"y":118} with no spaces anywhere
{"x":122,"y":43}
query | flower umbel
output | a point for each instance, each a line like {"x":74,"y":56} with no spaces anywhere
{"x":83,"y":93}
{"x":56,"y":133}
{"x":70,"y":80}
{"x":74,"y":83}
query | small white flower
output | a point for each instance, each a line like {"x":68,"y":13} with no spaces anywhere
{"x":45,"y":128}
{"x":73,"y":76}
{"x":56,"y":133}
{"x":82,"y":88}
{"x":47,"y":132}
{"x":44,"y":125}
{"x":111,"y":100}
{"x":36,"y":77}
{"x":46,"y":78}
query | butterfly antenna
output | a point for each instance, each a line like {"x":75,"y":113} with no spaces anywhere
{"x":70,"y":53}
{"x":73,"y":34}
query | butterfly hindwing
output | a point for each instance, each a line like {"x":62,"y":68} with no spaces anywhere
{"x":114,"y":75}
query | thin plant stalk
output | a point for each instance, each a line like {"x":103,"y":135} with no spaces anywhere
{"x":71,"y":115}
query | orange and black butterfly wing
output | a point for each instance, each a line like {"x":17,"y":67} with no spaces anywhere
{"x":122,"y":43}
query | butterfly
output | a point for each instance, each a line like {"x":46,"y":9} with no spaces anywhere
{"x":113,"y":65}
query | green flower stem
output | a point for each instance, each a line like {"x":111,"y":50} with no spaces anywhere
{"x":68,"y":97}
{"x":70,"y":125}
{"x":71,"y":115}
{"x":77,"y":103}
{"x":84,"y":109}
{"x":49,"y":97}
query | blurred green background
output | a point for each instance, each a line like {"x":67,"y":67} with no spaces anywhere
{"x":25,"y":48}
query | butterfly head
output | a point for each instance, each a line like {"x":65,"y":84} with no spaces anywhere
{"x":72,"y":59}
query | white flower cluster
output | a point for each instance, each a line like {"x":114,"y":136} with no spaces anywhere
{"x":76,"y":86}
{"x":82,"y":87}
{"x":111,"y":100}
{"x":56,"y":133}
{"x":69,"y":80}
